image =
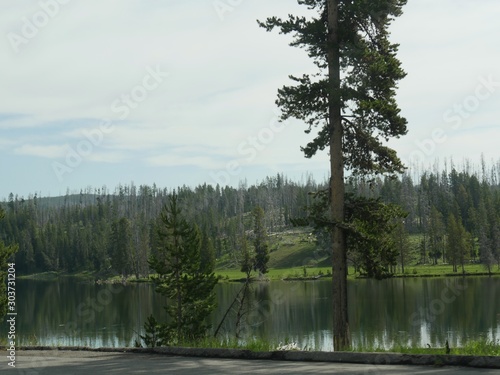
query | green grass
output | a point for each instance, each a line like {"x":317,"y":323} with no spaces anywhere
{"x":444,"y":270}
{"x":410,"y":272}
{"x":475,"y":347}
{"x":290,"y":251}
{"x":299,"y":272}
{"x":53,"y":275}
{"x":439,"y":270}
{"x":481,"y":347}
{"x":41,"y":276}
{"x":294,"y":248}
{"x":276,"y":273}
{"x":255,"y":344}
{"x":293,"y":256}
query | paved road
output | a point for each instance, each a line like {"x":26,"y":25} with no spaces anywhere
{"x":97,"y":363}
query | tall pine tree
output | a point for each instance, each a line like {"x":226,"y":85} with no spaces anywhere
{"x":352,"y":101}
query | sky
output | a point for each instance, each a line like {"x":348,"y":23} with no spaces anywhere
{"x":182,"y":92}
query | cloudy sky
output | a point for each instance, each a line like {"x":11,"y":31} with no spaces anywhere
{"x":178,"y":92}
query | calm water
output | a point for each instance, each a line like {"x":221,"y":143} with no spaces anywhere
{"x":381,"y":313}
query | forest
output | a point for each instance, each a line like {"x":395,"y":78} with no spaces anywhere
{"x":451,"y":214}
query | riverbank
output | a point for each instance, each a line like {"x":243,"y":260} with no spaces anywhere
{"x":314,"y":273}
{"x":287,"y":274}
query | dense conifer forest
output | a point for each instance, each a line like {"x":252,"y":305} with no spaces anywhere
{"x":453,"y":216}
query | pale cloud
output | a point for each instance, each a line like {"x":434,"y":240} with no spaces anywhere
{"x":108,"y":157}
{"x":173,"y":160}
{"x":223,"y":76}
{"x":7,"y":143}
{"x":51,"y":151}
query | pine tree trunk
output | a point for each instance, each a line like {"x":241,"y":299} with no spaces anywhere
{"x":179,"y":305}
{"x":341,"y":336}
{"x":401,"y":248}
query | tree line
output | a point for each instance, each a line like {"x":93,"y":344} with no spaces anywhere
{"x":454,"y":214}
{"x":114,"y":231}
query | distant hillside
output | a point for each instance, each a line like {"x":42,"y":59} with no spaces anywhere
{"x":81,"y":232}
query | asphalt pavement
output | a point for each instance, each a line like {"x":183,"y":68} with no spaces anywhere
{"x":58,"y":362}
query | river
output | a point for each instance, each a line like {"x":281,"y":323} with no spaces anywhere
{"x":413,"y":311}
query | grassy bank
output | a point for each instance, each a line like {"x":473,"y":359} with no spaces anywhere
{"x":52,"y":275}
{"x":288,"y":273}
{"x":276,"y":273}
{"x":293,"y":256}
{"x":474,"y":348}
{"x":445,"y":270}
{"x":298,"y":273}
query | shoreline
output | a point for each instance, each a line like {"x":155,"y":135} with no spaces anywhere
{"x":223,"y":277}
{"x":381,"y":358}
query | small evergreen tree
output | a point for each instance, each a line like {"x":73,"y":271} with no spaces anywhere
{"x":207,"y":263}
{"x":485,"y":254}
{"x":152,"y":336}
{"x":188,"y":286}
{"x":436,"y":235}
{"x":247,"y":260}
{"x":121,"y":246}
{"x":5,"y":253}
{"x":495,"y":242}
{"x":260,"y":241}
{"x":371,"y":227}
{"x":458,"y":243}
{"x":402,"y":242}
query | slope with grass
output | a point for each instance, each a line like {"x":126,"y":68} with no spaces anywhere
{"x":294,"y":255}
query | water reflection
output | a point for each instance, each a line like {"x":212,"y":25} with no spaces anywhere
{"x":413,"y":312}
